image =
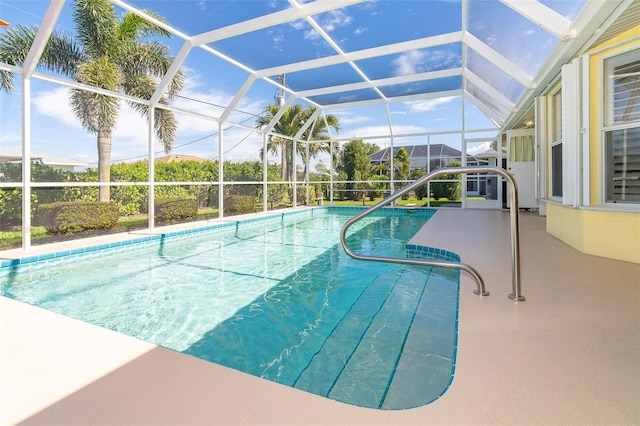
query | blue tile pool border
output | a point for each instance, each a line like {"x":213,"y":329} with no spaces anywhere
{"x":12,"y":266}
{"x":415,"y":251}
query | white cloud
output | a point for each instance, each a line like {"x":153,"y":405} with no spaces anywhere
{"x":478,"y":148}
{"x":408,"y":63}
{"x":335,"y":19}
{"x":297,"y":25}
{"x":329,"y":22}
{"x":55,"y":104}
{"x":277,"y":37}
{"x":429,"y":104}
{"x":130,"y":134}
{"x":417,"y":61}
{"x":374,"y":131}
{"x":347,"y":119}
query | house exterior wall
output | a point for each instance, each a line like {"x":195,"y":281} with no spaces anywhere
{"x":611,"y":234}
{"x":588,"y":224}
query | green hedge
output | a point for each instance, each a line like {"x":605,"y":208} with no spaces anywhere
{"x":171,"y":209}
{"x":239,"y":204}
{"x":68,"y":217}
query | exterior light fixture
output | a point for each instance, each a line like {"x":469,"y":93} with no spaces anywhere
{"x":279,"y":96}
{"x":529,"y":123}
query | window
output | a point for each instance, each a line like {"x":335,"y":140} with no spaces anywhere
{"x":556,"y":143}
{"x":622,"y":128}
{"x":556,"y":170}
{"x":623,"y":165}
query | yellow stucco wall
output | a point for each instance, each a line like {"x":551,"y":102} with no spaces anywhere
{"x":609,"y":233}
{"x":612,"y":234}
{"x":566,"y":225}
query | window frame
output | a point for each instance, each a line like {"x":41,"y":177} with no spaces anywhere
{"x":606,"y":65}
{"x":555,"y":129}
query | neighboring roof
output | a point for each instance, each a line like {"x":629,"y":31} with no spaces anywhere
{"x":437,"y":150}
{"x":176,"y":158}
{"x":15,"y":154}
{"x":489,"y":153}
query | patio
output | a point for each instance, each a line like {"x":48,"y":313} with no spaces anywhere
{"x":569,"y":354}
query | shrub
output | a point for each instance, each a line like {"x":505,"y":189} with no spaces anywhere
{"x":448,"y":190}
{"x":171,"y":209}
{"x":74,"y":216}
{"x":239,"y":204}
{"x":301,"y":192}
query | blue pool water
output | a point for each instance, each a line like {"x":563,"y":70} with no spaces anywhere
{"x":275,"y":297}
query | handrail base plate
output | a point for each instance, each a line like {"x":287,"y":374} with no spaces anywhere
{"x":519,"y":298}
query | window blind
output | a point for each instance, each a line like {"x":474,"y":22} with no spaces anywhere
{"x":623,"y":161}
{"x":626,"y":92}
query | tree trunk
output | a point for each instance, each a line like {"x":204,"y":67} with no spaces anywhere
{"x":104,"y":163}
{"x":283,"y":162}
{"x":290,"y":170}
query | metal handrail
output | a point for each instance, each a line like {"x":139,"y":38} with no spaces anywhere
{"x":514,"y":220}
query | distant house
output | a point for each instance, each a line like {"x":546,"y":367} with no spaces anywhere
{"x":14,"y":155}
{"x":436,"y":154}
{"x":176,"y":158}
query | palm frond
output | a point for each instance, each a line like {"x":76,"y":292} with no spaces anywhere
{"x":149,"y":58}
{"x":134,"y":27}
{"x":97,"y":112}
{"x":15,"y":43}
{"x":60,"y":55}
{"x":166,"y":126}
{"x":97,"y":27}
{"x":6,"y":81}
{"x":165,"y":123}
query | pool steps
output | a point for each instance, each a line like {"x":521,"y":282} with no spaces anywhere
{"x":391,"y":355}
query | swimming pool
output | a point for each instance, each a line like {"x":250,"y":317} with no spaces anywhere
{"x":275,"y":297}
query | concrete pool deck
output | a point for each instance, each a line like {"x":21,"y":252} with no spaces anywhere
{"x":569,"y":354}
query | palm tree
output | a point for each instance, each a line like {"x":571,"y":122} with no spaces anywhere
{"x":402,"y":164}
{"x":290,"y":124}
{"x":321,"y":142}
{"x":111,"y":53}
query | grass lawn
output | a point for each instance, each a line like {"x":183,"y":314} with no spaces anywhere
{"x":411,"y":201}
{"x":39,"y":235}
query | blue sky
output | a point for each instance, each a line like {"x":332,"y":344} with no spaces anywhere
{"x":211,"y":82}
